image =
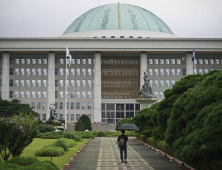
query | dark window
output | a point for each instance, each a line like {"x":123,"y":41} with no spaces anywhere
{"x":137,"y":106}
{"x":56,"y":83}
{"x":103,"y":106}
{"x":56,"y":60}
{"x":0,"y":82}
{"x":56,"y":94}
{"x":0,"y":71}
{"x":103,"y":115}
{"x":11,"y":60}
{"x":10,"y":94}
{"x":121,"y":36}
{"x":119,"y":106}
{"x":184,"y":72}
{"x":129,"y":106}
{"x":112,"y":36}
{"x":56,"y":71}
{"x":11,"y":82}
{"x":11,"y":71}
{"x":119,"y":114}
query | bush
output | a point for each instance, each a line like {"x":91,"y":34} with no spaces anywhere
{"x":101,"y":134}
{"x":73,"y":135}
{"x":45,"y":128}
{"x":132,"y":133}
{"x":43,"y":165}
{"x":87,"y":135}
{"x":45,"y":152}
{"x":152,"y":142}
{"x":38,"y":135}
{"x":50,"y":122}
{"x":95,"y":133}
{"x":23,"y":161}
{"x":8,"y":166}
{"x":86,"y":122}
{"x":143,"y":138}
{"x":39,"y":122}
{"x":61,"y":143}
{"x":51,"y":135}
{"x":70,"y":142}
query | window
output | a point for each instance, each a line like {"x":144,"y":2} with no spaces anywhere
{"x":56,"y":71}
{"x":16,"y":94}
{"x":16,"y":83}
{"x":16,"y":71}
{"x":161,"y":95}
{"x":161,"y":61}
{"x":16,"y":61}
{"x":67,"y":117}
{"x":172,"y":82}
{"x":201,"y":71}
{"x":39,"y":83}
{"x":22,"y":83}
{"x":0,"y":82}
{"x":216,"y":61}
{"x":195,"y":61}
{"x":195,"y":71}
{"x":89,"y":72}
{"x":167,"y":72}
{"x":39,"y":61}
{"x":72,"y":94}
{"x":77,"y":117}
{"x":72,"y":71}
{"x":61,"y":83}
{"x":72,"y":105}
{"x":27,"y":83}
{"x":167,"y":61}
{"x":156,"y":61}
{"x":33,"y":105}
{"x":156,"y":72}
{"x":67,"y":105}
{"x":83,"y":106}
{"x":173,"y":72}
{"x":27,"y":61}
{"x":33,"y":61}
{"x":83,"y":61}
{"x":205,"y":61}
{"x":161,"y":72}
{"x":56,"y":94}
{"x":44,"y":71}
{"x":167,"y":83}
{"x":156,"y":83}
{"x":33,"y":94}
{"x":60,"y":105}
{"x":211,"y":61}
{"x":44,"y":83}
{"x":178,"y":61}
{"x":205,"y":70}
{"x":89,"y":105}
{"x":72,"y":83}
{"x":72,"y":61}
{"x":72,"y":117}
{"x":43,"y":105}
{"x":39,"y":94}
{"x":156,"y":94}
{"x":89,"y":95}
{"x":28,"y":71}
{"x":10,"y":94}
{"x":22,"y":71}
{"x":44,"y":61}
{"x":38,"y":105}
{"x":150,"y":72}
{"x":44,"y":117}
{"x":77,"y":94}
{"x":200,"y":61}
{"x":67,"y":83}
{"x":184,"y":72}
{"x":56,"y":83}
{"x":44,"y":94}
{"x":84,"y":83}
{"x":61,"y":94}
{"x":61,"y":61}
{"x":161,"y":83}
{"x":67,"y":71}
{"x":172,"y":61}
{"x":33,"y":83}
{"x":61,"y":71}
{"x":78,"y":83}
{"x":77,"y":105}
{"x":10,"y":82}
{"x":39,"y":71}
{"x":22,"y":94}
{"x":56,"y":60}
{"x":83,"y":71}
{"x":77,"y":61}
{"x":178,"y":72}
{"x":89,"y":61}
{"x":78,"y":71}
{"x":61,"y":116}
{"x":151,"y":83}
{"x":89,"y":83}
{"x":33,"y":71}
{"x":11,"y":71}
{"x":150,"y":61}
{"x":83,"y":94}
{"x":67,"y":94}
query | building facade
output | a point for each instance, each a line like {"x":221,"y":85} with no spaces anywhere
{"x":111,"y":47}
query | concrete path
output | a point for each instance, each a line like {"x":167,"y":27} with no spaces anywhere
{"x":101,"y":154}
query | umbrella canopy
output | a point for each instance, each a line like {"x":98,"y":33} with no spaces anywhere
{"x":128,"y":127}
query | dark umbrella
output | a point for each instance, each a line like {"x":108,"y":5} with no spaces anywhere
{"x":128,"y":127}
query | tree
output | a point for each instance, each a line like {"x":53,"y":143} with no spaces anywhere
{"x":79,"y":126}
{"x":125,"y":121}
{"x":14,"y":107}
{"x":86,"y":121}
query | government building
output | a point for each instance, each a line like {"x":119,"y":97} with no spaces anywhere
{"x":111,"y":46}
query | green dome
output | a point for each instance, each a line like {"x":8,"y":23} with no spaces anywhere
{"x":118,"y":17}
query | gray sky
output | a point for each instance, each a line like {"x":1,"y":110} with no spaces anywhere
{"x":50,"y":18}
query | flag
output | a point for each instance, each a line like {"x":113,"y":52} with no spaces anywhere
{"x":68,"y":55}
{"x":193,"y":58}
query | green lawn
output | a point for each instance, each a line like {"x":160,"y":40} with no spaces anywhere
{"x":59,"y":161}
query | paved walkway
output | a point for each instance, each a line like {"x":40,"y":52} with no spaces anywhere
{"x":101,"y":154}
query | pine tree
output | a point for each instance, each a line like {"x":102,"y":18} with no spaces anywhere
{"x":79,"y":126}
{"x":86,"y":121}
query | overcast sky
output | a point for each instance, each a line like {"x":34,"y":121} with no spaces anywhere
{"x":50,"y":18}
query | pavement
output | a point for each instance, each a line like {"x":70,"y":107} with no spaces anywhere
{"x":101,"y":154}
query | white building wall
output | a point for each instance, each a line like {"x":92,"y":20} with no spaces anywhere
{"x":5,"y":76}
{"x":189,"y":64}
{"x":143,"y":67}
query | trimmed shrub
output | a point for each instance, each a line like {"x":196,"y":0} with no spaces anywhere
{"x":43,"y":165}
{"x":50,"y":122}
{"x":45,"y":128}
{"x":101,"y":134}
{"x":8,"y":166}
{"x":23,"y":161}
{"x":60,"y":143}
{"x":143,"y":138}
{"x":45,"y":152}
{"x":38,"y":135}
{"x":51,"y":135}
{"x":131,"y":133}
{"x":73,"y":135}
{"x":60,"y":132}
{"x":161,"y":145}
{"x":152,"y":142}
{"x":69,"y":142}
{"x":87,"y":135}
{"x":95,"y":133}
{"x":137,"y":135}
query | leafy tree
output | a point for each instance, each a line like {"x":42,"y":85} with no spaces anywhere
{"x":194,"y":127}
{"x":125,"y":121}
{"x":50,"y":122}
{"x":86,"y":121}
{"x":79,"y":126}
{"x":14,"y":107}
{"x":16,"y":132}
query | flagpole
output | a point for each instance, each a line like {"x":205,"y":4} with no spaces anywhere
{"x":66,"y":93}
{"x":194,"y":57}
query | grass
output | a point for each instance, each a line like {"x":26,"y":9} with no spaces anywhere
{"x":58,"y":161}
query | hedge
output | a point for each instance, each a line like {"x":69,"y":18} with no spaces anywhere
{"x":45,"y":152}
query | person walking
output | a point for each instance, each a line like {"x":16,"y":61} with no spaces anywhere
{"x":122,"y":139}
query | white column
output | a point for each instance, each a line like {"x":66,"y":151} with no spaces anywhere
{"x":143,"y":67}
{"x":50,"y":82}
{"x":5,"y":76}
{"x":97,"y":87}
{"x":189,"y":63}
